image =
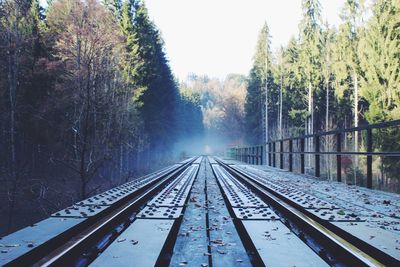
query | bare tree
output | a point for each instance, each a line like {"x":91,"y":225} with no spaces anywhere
{"x":86,"y":39}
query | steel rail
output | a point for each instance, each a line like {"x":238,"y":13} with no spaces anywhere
{"x":348,"y":250}
{"x":69,"y":247}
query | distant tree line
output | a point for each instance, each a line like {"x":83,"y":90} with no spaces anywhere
{"x":87,"y":101}
{"x":222,"y":106}
{"x":330,"y":78}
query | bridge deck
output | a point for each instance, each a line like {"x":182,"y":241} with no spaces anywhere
{"x":370,"y":215}
{"x":209,"y":211}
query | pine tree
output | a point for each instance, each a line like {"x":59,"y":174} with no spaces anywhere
{"x":115,"y":6}
{"x":380,"y":61}
{"x":131,"y":61}
{"x":327,"y":72}
{"x":348,"y":63}
{"x":310,"y":58}
{"x":158,"y":92}
{"x":296,"y":111}
{"x":309,"y":55}
{"x":380,"y":84}
{"x":260,"y":79}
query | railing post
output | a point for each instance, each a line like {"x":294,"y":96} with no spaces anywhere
{"x":290,"y":155}
{"x":253,"y":159}
{"x":369,"y":158}
{"x":261,"y":154}
{"x":269,"y":154}
{"x":339,"y":157}
{"x":273,"y":154}
{"x":253,"y":155}
{"x":317,"y":156}
{"x":281,"y":154}
{"x":302,"y":155}
{"x":258,"y":155}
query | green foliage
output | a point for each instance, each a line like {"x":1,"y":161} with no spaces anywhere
{"x":260,"y":74}
{"x":358,"y":63}
{"x":310,"y":42}
{"x":380,"y":61}
{"x":115,"y":6}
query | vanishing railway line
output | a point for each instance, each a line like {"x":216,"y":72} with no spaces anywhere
{"x":200,"y":212}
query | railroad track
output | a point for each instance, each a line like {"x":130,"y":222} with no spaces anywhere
{"x":311,"y":220}
{"x":75,"y":236}
{"x":200,"y":212}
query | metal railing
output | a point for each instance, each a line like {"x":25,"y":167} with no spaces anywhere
{"x":252,"y":155}
{"x":255,"y":154}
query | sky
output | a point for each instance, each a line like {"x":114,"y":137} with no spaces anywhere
{"x":218,"y":37}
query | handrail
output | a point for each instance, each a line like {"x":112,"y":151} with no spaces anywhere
{"x":346,"y":130}
{"x":257,"y":154}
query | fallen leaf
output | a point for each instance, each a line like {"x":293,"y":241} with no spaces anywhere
{"x":341,"y":212}
{"x":9,"y":245}
{"x":216,"y":241}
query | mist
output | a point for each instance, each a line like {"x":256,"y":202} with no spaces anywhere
{"x":200,"y":145}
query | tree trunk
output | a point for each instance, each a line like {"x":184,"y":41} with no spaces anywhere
{"x":280,"y":107}
{"x":266,"y":117}
{"x":310,"y":121}
{"x":355,"y":80}
{"x":327,"y":142}
{"x":12,"y":82}
{"x":327,"y":108}
{"x":121,"y":159}
{"x":83,"y":168}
